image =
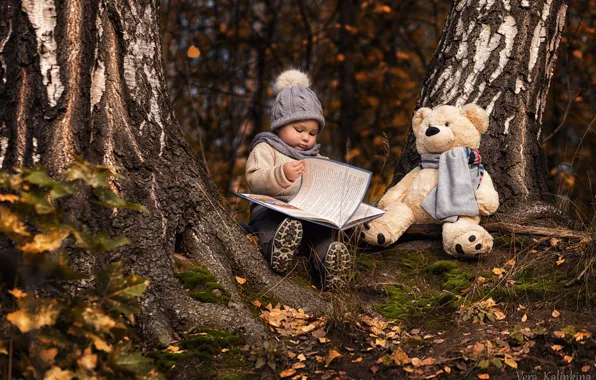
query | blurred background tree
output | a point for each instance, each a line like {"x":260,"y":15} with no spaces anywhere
{"x":367,"y":60}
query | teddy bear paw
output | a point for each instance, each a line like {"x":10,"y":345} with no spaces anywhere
{"x":374,"y":234}
{"x":471,"y":244}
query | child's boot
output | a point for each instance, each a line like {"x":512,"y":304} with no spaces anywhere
{"x":336,"y":266}
{"x":284,"y":245}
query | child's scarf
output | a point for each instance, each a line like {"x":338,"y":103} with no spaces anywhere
{"x":283,"y":148}
{"x":460,"y":173}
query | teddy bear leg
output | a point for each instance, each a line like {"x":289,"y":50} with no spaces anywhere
{"x":466,"y":238}
{"x":385,"y":230}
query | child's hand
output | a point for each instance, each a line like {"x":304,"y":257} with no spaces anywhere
{"x":293,"y":170}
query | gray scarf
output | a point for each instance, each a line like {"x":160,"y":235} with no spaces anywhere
{"x":459,"y":177}
{"x":283,"y":148}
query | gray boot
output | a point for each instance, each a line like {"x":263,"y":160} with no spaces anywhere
{"x":336,"y":266}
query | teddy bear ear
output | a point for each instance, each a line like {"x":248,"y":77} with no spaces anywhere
{"x":477,"y":115}
{"x":419,"y":115}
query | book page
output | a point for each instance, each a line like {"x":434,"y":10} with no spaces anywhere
{"x":280,"y":206}
{"x":331,"y":190}
{"x":364,"y":213}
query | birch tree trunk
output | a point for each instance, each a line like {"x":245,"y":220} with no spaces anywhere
{"x":87,"y":77}
{"x":499,"y":54}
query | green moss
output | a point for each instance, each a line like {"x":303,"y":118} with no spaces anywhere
{"x":202,"y":284}
{"x":456,"y":280}
{"x":203,"y":348}
{"x":365,"y":262}
{"x":442,"y":266}
{"x":410,"y":306}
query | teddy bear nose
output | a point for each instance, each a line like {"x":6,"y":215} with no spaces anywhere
{"x":431,"y":131}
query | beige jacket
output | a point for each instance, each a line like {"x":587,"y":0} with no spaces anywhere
{"x":265,"y":175}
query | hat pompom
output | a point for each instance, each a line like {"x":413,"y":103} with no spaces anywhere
{"x":291,"y":78}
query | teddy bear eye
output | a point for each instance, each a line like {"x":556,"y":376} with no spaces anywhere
{"x":447,"y":124}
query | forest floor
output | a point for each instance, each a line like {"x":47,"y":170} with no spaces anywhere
{"x":412,"y":311}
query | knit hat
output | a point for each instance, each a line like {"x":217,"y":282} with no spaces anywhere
{"x":295,"y":101}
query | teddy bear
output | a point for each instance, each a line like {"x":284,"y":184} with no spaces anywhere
{"x":449,"y":186}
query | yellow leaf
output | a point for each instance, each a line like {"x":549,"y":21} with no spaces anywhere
{"x":499,"y":315}
{"x":581,"y":334}
{"x":101,"y":345}
{"x":240,"y":280}
{"x":559,"y":262}
{"x":17,"y":293}
{"x":416,"y":362}
{"x":333,"y":354}
{"x":10,"y":223}
{"x":525,"y":317}
{"x":56,"y":373}
{"x":193,"y":52}
{"x":556,"y":347}
{"x":44,"y":314}
{"x":98,"y":320}
{"x":510,"y":362}
{"x":498,"y":271}
{"x":45,"y":242}
{"x":554,"y":241}
{"x":358,"y":360}
{"x":88,"y":361}
{"x":510,"y":263}
{"x":399,"y":357}
{"x":301,"y":357}
{"x":287,"y":373}
{"x":298,"y":365}
{"x":555,"y":314}
{"x":559,"y":334}
{"x":447,"y":369}
{"x":568,"y":358}
{"x":480,"y":280}
{"x":47,"y":356}
{"x":9,"y":198}
{"x":483,"y":376}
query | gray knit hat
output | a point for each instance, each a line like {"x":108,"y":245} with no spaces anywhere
{"x":295,"y":101}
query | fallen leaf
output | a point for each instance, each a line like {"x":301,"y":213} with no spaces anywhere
{"x":510,"y":362}
{"x":585,"y":368}
{"x":333,"y":354}
{"x":483,"y":376}
{"x":323,"y":340}
{"x":301,"y":357}
{"x":554,"y":241}
{"x":510,"y":263}
{"x":447,"y":369}
{"x":480,"y":280}
{"x":298,"y":365}
{"x":559,"y":334}
{"x":555,"y":314}
{"x":374,"y":369}
{"x":225,"y":349}
{"x":257,"y":303}
{"x":438,"y":341}
{"x":399,"y":357}
{"x":568,"y":358}
{"x":556,"y":347}
{"x":9,"y":198}
{"x":525,"y":317}
{"x":240,"y":280}
{"x":358,"y":360}
{"x":416,"y":362}
{"x":561,"y":261}
{"x":287,"y":373}
{"x":581,"y":334}
{"x":499,"y":315}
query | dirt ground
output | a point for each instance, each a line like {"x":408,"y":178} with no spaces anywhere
{"x":412,"y":311}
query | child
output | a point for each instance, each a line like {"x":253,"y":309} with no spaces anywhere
{"x":274,"y":166}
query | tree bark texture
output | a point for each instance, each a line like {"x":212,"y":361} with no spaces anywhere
{"x":87,"y":77}
{"x":501,"y":56}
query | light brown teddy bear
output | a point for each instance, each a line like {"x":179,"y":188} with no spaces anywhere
{"x":449,"y":186}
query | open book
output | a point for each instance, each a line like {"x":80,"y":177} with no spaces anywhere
{"x":330,"y":194}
